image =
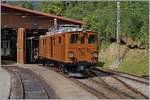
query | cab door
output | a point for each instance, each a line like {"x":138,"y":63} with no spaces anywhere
{"x":51,"y":46}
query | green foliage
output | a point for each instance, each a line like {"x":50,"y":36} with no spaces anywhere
{"x":143,"y":36}
{"x":25,"y":4}
{"x":135,"y":61}
{"x":51,"y":7}
{"x":104,"y":45}
{"x":100,"y":16}
{"x":97,"y":15}
{"x":134,"y":20}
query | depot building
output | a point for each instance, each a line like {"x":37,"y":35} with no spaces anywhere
{"x":20,"y":28}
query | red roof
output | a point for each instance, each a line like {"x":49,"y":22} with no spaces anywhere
{"x":8,"y":6}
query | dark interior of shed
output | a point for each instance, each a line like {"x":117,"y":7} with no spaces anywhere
{"x":32,"y":44}
{"x":9,"y":43}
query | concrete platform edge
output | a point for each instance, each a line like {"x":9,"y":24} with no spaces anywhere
{"x":5,"y":84}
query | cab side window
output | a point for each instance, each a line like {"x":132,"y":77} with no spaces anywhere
{"x":73,"y":38}
{"x":59,"y":40}
{"x":82,"y":39}
{"x":43,"y":41}
{"x":54,"y":41}
{"x":91,"y":39}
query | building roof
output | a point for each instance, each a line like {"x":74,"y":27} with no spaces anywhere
{"x":25,"y":10}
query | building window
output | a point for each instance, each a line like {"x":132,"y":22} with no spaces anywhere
{"x":1,"y":44}
{"x":91,"y":39}
{"x":74,"y":38}
{"x":7,"y":45}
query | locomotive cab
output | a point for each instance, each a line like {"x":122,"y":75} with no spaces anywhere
{"x":82,"y":50}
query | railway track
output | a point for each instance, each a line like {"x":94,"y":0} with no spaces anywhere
{"x":27,"y":85}
{"x":98,"y":87}
{"x":119,"y":82}
{"x":92,"y":90}
{"x":103,"y":90}
{"x":104,"y":85}
{"x":125,"y":75}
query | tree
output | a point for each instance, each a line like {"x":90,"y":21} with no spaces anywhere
{"x":100,"y":16}
{"x":25,"y":4}
{"x":51,"y":7}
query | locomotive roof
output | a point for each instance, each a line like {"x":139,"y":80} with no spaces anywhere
{"x":67,"y":33}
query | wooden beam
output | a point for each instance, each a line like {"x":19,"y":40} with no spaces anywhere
{"x":21,"y":49}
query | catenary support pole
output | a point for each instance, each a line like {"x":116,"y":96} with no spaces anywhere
{"x":118,"y":28}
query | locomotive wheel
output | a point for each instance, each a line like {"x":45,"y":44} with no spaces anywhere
{"x":61,"y":69}
{"x":65,"y":71}
{"x":49,"y":65}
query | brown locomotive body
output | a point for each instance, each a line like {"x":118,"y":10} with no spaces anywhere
{"x":72,"y":51}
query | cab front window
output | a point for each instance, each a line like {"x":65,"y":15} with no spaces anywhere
{"x":91,"y":39}
{"x":73,"y":38}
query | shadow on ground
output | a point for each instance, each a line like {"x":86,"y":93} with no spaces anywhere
{"x":7,"y":62}
{"x":100,"y":64}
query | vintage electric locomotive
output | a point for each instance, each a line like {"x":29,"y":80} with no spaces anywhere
{"x":69,"y":48}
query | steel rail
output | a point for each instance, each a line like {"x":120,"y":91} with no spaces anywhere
{"x":31,"y":86}
{"x":114,"y":75}
{"x":123,"y":74}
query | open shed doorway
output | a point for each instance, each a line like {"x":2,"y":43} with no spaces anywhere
{"x":32,"y":44}
{"x":8,"y":45}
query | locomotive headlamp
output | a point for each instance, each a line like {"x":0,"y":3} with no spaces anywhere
{"x":95,"y":54}
{"x":70,"y":54}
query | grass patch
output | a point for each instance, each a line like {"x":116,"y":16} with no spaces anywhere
{"x":135,"y":62}
{"x":104,"y":45}
{"x":100,"y":64}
